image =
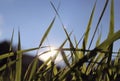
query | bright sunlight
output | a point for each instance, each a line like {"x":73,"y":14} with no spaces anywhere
{"x":47,"y":52}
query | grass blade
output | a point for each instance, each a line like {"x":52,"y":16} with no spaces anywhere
{"x":85,"y":40}
{"x":93,"y":53}
{"x":11,"y":41}
{"x":100,"y":18}
{"x":18,"y":61}
{"x":47,"y":32}
{"x":111,"y":30}
{"x":65,"y":58}
{"x":34,"y":65}
{"x":8,"y":59}
{"x":109,"y":40}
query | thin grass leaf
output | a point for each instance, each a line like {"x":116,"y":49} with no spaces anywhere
{"x":85,"y":40}
{"x":34,"y":66}
{"x":47,"y":32}
{"x":100,"y":18}
{"x":68,"y":37}
{"x":56,"y":11}
{"x":11,"y":41}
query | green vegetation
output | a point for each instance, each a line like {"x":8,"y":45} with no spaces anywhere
{"x":86,"y":65}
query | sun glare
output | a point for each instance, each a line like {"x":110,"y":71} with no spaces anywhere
{"x":47,"y":53}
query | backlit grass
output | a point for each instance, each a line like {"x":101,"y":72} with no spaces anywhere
{"x":84,"y":65}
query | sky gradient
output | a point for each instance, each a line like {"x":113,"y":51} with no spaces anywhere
{"x":33,"y":17}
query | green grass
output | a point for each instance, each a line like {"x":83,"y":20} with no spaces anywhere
{"x":86,"y":65}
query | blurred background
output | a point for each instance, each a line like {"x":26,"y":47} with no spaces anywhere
{"x":32,"y":18}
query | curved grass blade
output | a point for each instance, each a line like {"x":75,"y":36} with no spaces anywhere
{"x":109,"y":40}
{"x":34,"y":66}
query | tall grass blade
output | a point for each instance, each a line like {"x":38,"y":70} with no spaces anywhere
{"x":111,"y":30}
{"x":34,"y":65}
{"x":8,"y":59}
{"x":47,"y":32}
{"x":100,"y":18}
{"x":85,"y":40}
{"x":18,"y":61}
{"x":56,"y":11}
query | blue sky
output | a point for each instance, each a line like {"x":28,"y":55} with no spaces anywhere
{"x":33,"y":17}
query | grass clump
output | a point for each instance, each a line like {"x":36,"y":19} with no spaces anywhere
{"x":84,"y":65}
